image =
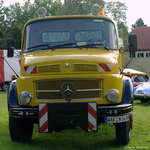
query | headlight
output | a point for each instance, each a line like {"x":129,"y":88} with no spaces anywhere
{"x":25,"y":97}
{"x":112,"y":95}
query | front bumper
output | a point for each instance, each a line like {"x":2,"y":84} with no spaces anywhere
{"x":86,"y":115}
{"x":23,"y":112}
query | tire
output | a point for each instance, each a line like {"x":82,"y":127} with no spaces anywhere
{"x":20,"y":129}
{"x":122,"y":133}
{"x":5,"y":87}
{"x":143,"y":100}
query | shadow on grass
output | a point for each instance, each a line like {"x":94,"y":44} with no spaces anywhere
{"x":139,"y":103}
{"x":75,"y":140}
{"x":61,"y":143}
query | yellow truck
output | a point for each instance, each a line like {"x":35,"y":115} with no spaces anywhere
{"x":70,"y":76}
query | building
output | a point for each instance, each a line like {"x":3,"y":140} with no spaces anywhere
{"x":141,"y":61}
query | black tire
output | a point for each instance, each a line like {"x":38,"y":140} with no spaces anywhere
{"x":143,"y":100}
{"x":5,"y":87}
{"x":20,"y":129}
{"x":122,"y":133}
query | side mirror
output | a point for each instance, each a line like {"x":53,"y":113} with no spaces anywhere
{"x":132,"y":39}
{"x":10,"y":47}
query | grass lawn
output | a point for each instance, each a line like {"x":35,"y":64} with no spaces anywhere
{"x":77,"y":139}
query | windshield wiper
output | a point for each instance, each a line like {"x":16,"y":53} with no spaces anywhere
{"x":103,"y":45}
{"x":48,"y":45}
{"x":67,"y":44}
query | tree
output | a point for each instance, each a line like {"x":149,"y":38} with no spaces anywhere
{"x":123,"y":32}
{"x":2,"y":25}
{"x":138,"y":23}
{"x":17,"y":15}
{"x":2,"y":17}
{"x":82,"y":7}
{"x":117,"y":11}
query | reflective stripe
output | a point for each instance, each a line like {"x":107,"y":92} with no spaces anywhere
{"x":43,"y":118}
{"x":30,"y":69}
{"x":92,"y":117}
{"x":105,"y":67}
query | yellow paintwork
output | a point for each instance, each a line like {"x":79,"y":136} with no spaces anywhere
{"x":67,"y":17}
{"x":86,"y":55}
{"x":111,"y":79}
{"x":76,"y":55}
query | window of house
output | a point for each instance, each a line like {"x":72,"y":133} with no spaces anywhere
{"x":131,"y":55}
{"x":140,"y":55}
{"x":147,"y":54}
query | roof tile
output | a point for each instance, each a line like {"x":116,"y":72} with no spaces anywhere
{"x":143,"y":37}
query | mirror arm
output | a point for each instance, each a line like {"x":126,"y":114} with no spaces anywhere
{"x":127,"y":64}
{"x":14,"y":49}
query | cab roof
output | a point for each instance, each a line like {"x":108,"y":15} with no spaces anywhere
{"x":68,"y":17}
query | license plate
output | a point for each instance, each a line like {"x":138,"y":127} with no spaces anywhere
{"x":115,"y":119}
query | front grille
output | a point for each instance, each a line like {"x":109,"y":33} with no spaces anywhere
{"x":49,"y":68}
{"x":84,"y":89}
{"x":85,"y":67}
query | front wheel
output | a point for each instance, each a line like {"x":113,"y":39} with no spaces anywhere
{"x":5,"y":86}
{"x":20,"y":129}
{"x":122,"y":133}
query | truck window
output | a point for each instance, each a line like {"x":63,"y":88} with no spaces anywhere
{"x":82,"y":36}
{"x":56,"y":36}
{"x":61,"y":31}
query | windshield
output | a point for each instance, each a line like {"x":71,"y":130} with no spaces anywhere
{"x":82,"y":31}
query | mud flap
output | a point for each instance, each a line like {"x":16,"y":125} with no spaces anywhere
{"x":67,"y":114}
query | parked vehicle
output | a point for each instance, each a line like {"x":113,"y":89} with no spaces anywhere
{"x":70,"y":77}
{"x":142,"y":92}
{"x":137,"y":77}
{"x":9,"y":66}
{"x":137,"y":80}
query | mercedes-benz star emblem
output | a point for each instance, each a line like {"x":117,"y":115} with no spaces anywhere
{"x":67,"y":65}
{"x":68,"y":89}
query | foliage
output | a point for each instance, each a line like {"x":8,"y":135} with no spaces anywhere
{"x":13,"y":17}
{"x":2,"y":25}
{"x":83,"y":7}
{"x":17,"y":15}
{"x":123,"y":32}
{"x":139,"y":23}
{"x":116,"y":10}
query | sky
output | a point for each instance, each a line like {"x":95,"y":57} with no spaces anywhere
{"x":136,"y":9}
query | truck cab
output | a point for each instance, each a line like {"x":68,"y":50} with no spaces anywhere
{"x":70,"y":76}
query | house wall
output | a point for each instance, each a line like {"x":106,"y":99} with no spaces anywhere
{"x":140,"y":62}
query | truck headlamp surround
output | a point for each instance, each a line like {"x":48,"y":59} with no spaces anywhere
{"x":25,"y":97}
{"x":112,"y":95}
